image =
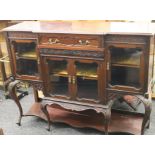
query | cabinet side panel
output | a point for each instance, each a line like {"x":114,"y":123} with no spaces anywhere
{"x":151,"y":60}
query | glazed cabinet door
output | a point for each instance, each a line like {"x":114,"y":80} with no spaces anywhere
{"x":24,"y":53}
{"x":89,"y":80}
{"x":126,"y":67}
{"x":57,"y":77}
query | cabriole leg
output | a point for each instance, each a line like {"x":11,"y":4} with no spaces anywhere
{"x":45,"y":111}
{"x":148,"y":107}
{"x":146,"y":120}
{"x":12,"y":92}
{"x":107,"y":117}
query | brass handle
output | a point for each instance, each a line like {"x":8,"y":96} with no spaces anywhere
{"x":74,"y":80}
{"x":52,"y":41}
{"x":84,"y":42}
{"x":87,"y":42}
{"x":70,"y":79}
{"x":80,"y":41}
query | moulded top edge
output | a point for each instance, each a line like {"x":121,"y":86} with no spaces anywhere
{"x":84,"y":27}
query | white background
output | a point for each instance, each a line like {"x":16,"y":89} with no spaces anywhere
{"x":77,"y":10}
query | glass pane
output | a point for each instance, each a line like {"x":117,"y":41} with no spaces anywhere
{"x":125,"y":56}
{"x":27,"y":67}
{"x":87,"y":85}
{"x":26,"y":58}
{"x":125,"y":66}
{"x":125,"y":76}
{"x":58,"y":77}
{"x":26,"y":50}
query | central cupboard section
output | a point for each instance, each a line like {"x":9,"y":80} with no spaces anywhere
{"x":78,"y":79}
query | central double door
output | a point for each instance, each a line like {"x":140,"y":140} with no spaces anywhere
{"x":74,"y":79}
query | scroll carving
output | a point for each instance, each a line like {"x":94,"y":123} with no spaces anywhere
{"x":126,"y":39}
{"x":22,"y":35}
{"x":146,"y":103}
{"x":72,"y":53}
{"x":37,"y":85}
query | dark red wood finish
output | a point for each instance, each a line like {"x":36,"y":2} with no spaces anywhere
{"x":73,"y":43}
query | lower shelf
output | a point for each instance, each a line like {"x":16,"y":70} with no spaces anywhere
{"x":120,"y":122}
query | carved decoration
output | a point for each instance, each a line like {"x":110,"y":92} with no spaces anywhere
{"x":147,"y":106}
{"x":37,"y":85}
{"x":72,"y":53}
{"x":126,"y":39}
{"x":22,"y":35}
{"x":12,"y":90}
{"x":112,"y":96}
{"x":104,"y":109}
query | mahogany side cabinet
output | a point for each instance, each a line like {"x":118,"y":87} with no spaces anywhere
{"x":83,"y":68}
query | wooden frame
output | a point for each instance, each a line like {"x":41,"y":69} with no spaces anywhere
{"x":71,"y":47}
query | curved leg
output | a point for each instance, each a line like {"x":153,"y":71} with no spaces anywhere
{"x":146,"y":120}
{"x":12,"y":92}
{"x":148,"y":108}
{"x":148,"y":126}
{"x":44,"y":109}
{"x":107,"y":117}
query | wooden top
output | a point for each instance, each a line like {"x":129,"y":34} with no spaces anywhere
{"x":84,"y":27}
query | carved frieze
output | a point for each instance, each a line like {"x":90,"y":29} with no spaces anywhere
{"x":126,"y":39}
{"x":37,"y":85}
{"x":24,"y":35}
{"x":72,"y":53}
{"x":78,"y":107}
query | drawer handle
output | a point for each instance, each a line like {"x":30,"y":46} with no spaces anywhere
{"x":84,"y":42}
{"x":52,"y":41}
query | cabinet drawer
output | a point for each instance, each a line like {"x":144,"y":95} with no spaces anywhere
{"x":71,"y":40}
